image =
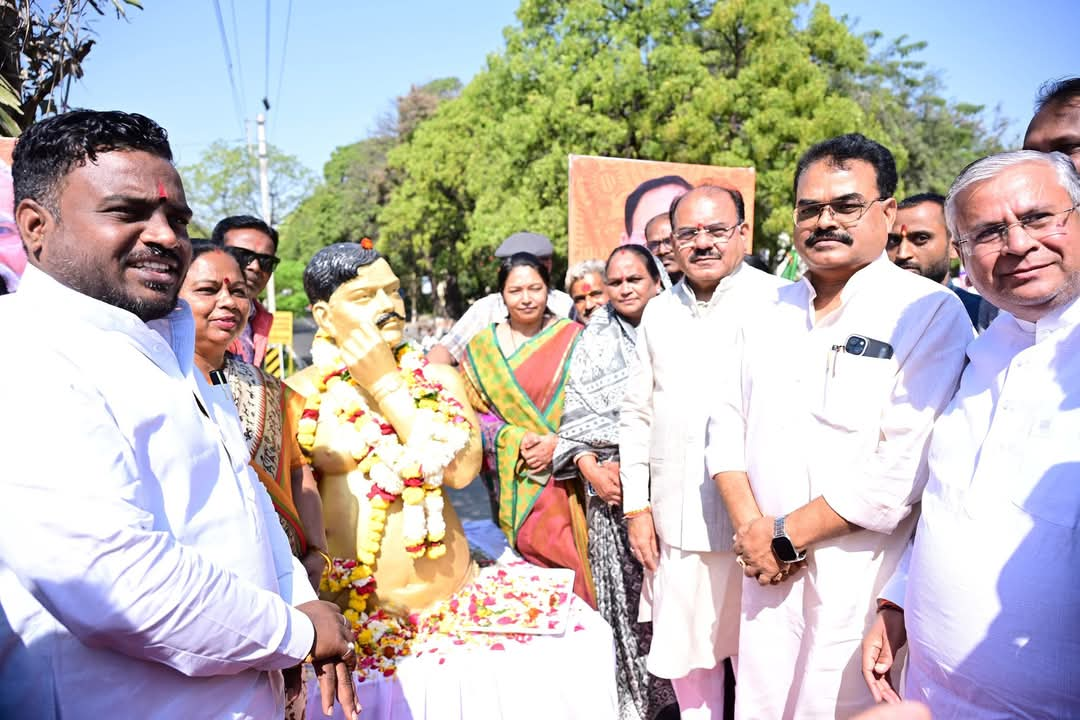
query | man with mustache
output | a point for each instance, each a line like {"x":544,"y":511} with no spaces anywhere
{"x":677,"y":524}
{"x":919,"y":242}
{"x":818,"y":438}
{"x":143,"y":571}
{"x":254,"y":245}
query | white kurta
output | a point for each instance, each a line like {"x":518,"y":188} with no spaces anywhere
{"x":993,"y":595}
{"x":808,"y":421}
{"x":662,"y":449}
{"x":142,"y":567}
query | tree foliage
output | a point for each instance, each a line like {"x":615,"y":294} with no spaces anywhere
{"x":225,"y":181}
{"x":42,"y":50}
{"x":739,"y":83}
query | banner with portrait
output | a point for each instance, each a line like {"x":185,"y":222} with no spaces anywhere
{"x":12,"y":257}
{"x":611,"y":199}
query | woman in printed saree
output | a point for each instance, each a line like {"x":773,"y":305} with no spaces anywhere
{"x":516,"y":370}
{"x":268,"y":410}
{"x":588,"y":448}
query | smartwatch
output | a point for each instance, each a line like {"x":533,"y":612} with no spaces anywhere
{"x":782,"y":545}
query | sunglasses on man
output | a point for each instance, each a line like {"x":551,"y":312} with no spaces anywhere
{"x":267,"y":263}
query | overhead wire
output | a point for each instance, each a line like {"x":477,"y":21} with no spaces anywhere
{"x":284,"y":50}
{"x":239,"y":58}
{"x":266,"y":68}
{"x":237,"y":106}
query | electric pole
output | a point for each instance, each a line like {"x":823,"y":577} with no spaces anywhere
{"x":264,"y":190}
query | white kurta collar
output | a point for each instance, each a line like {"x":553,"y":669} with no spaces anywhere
{"x":1063,"y":318}
{"x":686,"y":294}
{"x":169,"y":342}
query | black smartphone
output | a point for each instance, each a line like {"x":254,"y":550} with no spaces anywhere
{"x":868,"y":347}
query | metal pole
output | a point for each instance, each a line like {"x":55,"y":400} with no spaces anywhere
{"x":264,"y":191}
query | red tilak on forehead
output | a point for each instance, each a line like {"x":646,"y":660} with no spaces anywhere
{"x":162,"y":195}
{"x":586,"y":287}
{"x":903,"y":231}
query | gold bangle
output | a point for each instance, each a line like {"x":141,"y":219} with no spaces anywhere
{"x":329,"y":560}
{"x":635,"y":513}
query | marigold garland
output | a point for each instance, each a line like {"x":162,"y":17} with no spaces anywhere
{"x":413,"y":472}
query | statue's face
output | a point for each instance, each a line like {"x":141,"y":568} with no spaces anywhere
{"x":372,"y":299}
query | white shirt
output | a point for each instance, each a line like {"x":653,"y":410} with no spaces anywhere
{"x":808,"y":421}
{"x":993,"y":594}
{"x":141,"y":565}
{"x":662,"y":423}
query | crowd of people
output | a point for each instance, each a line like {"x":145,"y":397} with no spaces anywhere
{"x":772,"y":491}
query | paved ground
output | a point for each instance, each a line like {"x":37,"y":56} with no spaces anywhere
{"x":471,"y":502}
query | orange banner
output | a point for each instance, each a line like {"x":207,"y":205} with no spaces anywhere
{"x":611,"y":199}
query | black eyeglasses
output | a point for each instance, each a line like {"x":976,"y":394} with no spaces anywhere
{"x":846,"y":211}
{"x":267,"y":263}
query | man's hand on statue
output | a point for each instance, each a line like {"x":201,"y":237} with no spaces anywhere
{"x":538,"y":455}
{"x":333,"y":656}
{"x":367,"y":356}
{"x":753,"y":547}
{"x":643,"y":544}
{"x":883,"y":640}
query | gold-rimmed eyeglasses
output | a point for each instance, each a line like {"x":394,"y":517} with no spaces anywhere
{"x":1038,"y":225}
{"x":719,"y":234}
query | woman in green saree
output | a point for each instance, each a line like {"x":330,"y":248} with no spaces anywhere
{"x":516,"y":370}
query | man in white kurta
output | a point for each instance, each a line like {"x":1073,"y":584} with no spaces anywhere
{"x":143,"y":572}
{"x":829,"y":442}
{"x":677,"y":524}
{"x":992,"y":606}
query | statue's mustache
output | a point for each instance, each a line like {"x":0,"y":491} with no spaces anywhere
{"x":387,"y":317}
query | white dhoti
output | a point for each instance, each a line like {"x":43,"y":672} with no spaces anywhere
{"x":693,"y":602}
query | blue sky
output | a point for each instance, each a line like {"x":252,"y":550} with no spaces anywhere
{"x":345,"y":62}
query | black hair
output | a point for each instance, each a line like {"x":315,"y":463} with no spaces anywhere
{"x":919,"y":199}
{"x":1052,"y":92}
{"x":201,"y":246}
{"x":644,"y":255}
{"x":243,"y":222}
{"x":522,"y":259}
{"x":333,"y":266}
{"x":853,"y":146}
{"x":735,"y":195}
{"x":635,"y":196}
{"x":51,"y":148}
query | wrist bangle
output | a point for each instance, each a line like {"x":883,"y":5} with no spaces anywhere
{"x":386,"y":385}
{"x":635,"y":513}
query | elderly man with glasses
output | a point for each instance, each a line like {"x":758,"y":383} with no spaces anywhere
{"x":991,"y":605}
{"x":658,"y":241}
{"x":678,"y":527}
{"x":818,"y":438}
{"x":253,"y":243}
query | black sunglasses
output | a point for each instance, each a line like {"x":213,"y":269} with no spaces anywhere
{"x":267,"y":263}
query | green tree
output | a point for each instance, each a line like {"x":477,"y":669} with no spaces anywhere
{"x":42,"y":50}
{"x":741,"y":82}
{"x":225,"y":181}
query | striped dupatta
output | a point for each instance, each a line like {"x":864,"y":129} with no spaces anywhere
{"x":526,"y":390}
